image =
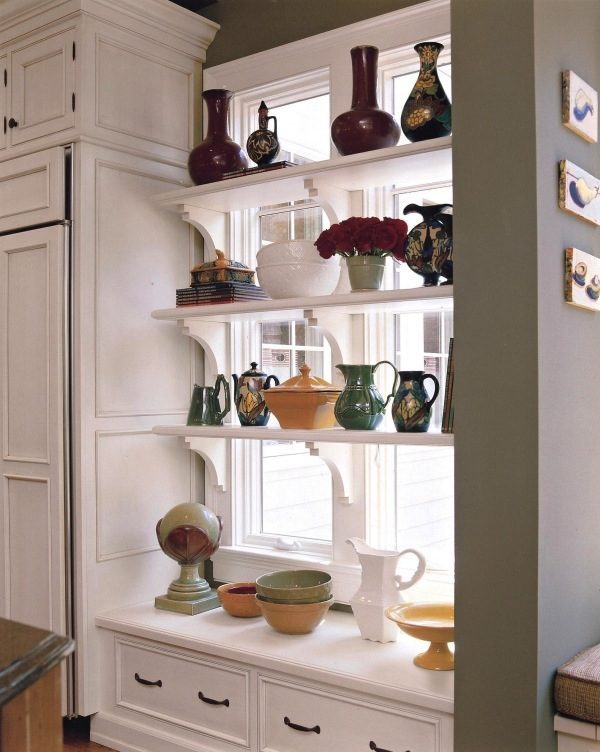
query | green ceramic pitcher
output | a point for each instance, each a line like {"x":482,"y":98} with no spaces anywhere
{"x":360,"y":406}
{"x":205,"y":409}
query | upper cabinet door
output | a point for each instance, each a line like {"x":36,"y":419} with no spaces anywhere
{"x":42,"y":88}
{"x":3,"y":101}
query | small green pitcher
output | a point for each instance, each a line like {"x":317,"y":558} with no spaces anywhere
{"x":360,"y":406}
{"x":205,"y":409}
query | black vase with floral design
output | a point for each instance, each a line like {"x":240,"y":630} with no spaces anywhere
{"x":427,"y":113}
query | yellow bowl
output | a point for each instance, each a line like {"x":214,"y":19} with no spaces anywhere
{"x":292,"y":618}
{"x":238,"y":599}
{"x":428,"y":621}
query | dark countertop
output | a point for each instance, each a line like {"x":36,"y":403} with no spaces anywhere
{"x":26,"y":654}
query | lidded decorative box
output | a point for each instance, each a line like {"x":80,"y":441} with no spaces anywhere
{"x":221,"y":270}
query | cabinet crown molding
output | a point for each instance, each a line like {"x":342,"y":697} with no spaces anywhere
{"x":163,"y":15}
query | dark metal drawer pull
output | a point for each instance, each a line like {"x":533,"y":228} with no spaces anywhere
{"x":148,"y":683}
{"x":210,"y":701}
{"x":316,"y":729}
{"x":375,"y":748}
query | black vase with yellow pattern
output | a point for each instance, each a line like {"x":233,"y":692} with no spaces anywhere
{"x":427,"y":113}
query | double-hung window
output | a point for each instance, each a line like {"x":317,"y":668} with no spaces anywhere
{"x":288,"y":506}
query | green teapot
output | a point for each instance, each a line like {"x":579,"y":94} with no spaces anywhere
{"x":360,"y":406}
{"x":205,"y":409}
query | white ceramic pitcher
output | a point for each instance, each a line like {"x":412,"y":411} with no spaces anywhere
{"x":380,"y":587}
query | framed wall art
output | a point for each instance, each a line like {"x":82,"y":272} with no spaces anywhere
{"x":579,"y":106}
{"x":582,"y":279}
{"x":578,"y":192}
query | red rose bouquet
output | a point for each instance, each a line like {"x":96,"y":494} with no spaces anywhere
{"x":364,"y":236}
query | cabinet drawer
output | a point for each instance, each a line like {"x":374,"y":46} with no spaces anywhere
{"x":335,"y":722}
{"x":166,"y":685}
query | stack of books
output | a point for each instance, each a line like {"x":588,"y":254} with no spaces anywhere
{"x":219,"y":292}
{"x":448,"y":412}
{"x":258,"y":168}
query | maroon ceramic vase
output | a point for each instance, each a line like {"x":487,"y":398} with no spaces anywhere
{"x":218,"y":153}
{"x":365,"y":126}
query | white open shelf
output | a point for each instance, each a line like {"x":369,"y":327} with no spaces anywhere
{"x":397,"y":165}
{"x":372,"y":301}
{"x":328,"y":435}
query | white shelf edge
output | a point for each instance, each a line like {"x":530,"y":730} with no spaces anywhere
{"x":351,"y":302}
{"x":346,"y":172}
{"x":329,"y":435}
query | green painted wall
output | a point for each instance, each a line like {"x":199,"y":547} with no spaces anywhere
{"x":249,"y":26}
{"x":527,"y":441}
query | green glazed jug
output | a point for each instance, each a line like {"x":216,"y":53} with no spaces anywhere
{"x":360,"y":406}
{"x":205,"y":409}
{"x":411,"y":408}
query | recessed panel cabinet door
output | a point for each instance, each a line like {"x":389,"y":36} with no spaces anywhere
{"x":32,"y":482}
{"x":42,"y":88}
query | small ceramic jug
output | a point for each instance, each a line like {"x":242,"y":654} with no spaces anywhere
{"x":205,"y":409}
{"x":263,"y":145}
{"x":411,"y":408}
{"x":249,"y":396}
{"x":380,"y":587}
{"x":360,"y":406}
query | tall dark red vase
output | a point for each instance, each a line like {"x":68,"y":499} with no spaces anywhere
{"x":365,"y":126}
{"x":218,"y":153}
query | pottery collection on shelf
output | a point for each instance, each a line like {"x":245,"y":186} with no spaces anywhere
{"x":296,"y":602}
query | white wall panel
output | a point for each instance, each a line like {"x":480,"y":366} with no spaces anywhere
{"x":142,"y":257}
{"x":26,"y":384}
{"x":30,"y":543}
{"x":137,"y":109}
{"x":140,"y":477}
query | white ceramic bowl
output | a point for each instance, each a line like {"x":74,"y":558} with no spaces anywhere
{"x":300,"y":279}
{"x":288,"y":250}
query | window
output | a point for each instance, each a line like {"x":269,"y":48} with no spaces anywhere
{"x":290,"y":499}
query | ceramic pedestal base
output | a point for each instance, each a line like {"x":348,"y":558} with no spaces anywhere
{"x":191,"y":608}
{"x":438,"y":657}
{"x":189,"y":594}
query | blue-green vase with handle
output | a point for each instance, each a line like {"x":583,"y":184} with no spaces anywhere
{"x":411,"y":408}
{"x":360,"y":406}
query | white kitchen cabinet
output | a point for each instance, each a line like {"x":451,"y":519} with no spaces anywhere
{"x":102,"y":97}
{"x":41,"y":87}
{"x":363,"y":696}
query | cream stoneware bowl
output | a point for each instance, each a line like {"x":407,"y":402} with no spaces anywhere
{"x":300,"y":279}
{"x":288,"y":251}
{"x":294,"y":618}
{"x":433,"y":622}
{"x":238,"y":599}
